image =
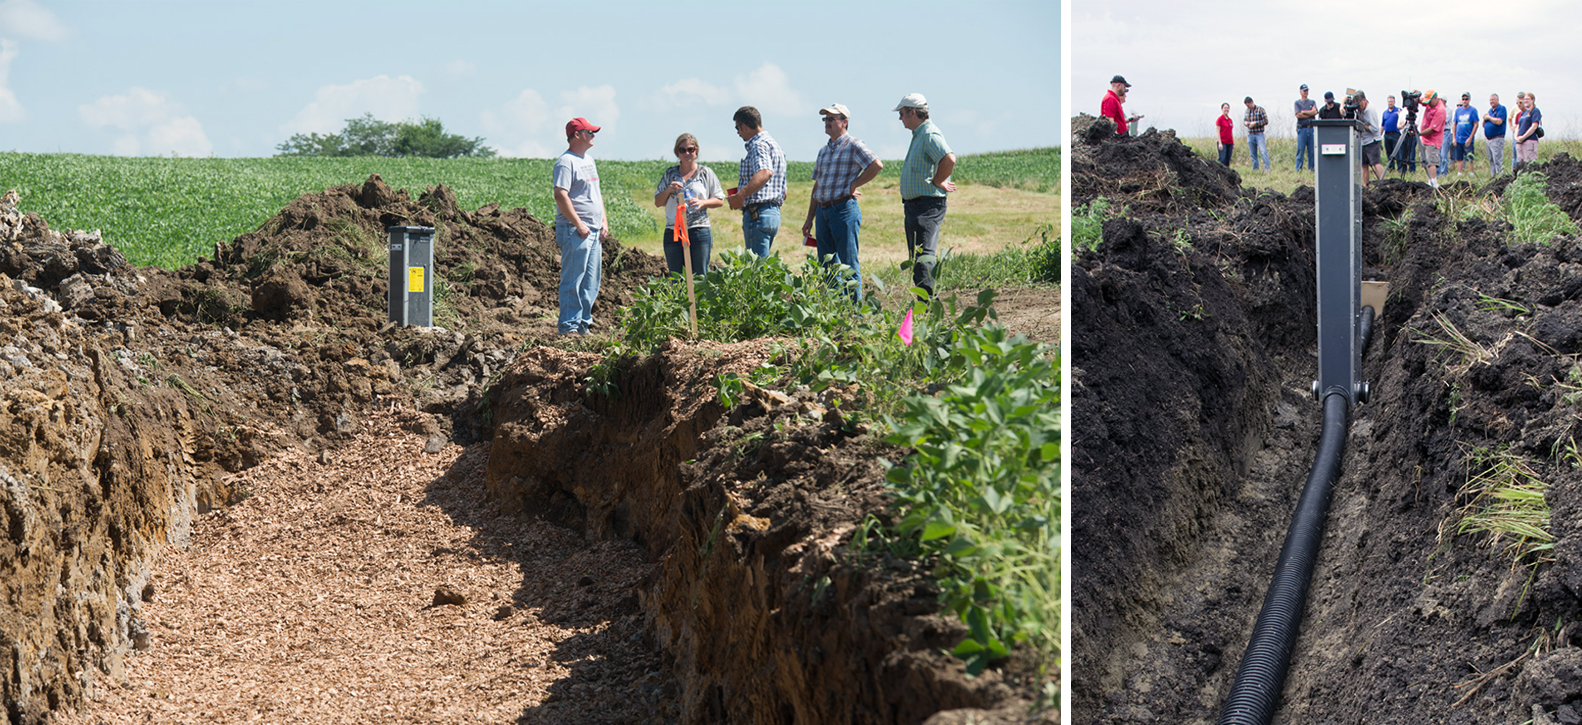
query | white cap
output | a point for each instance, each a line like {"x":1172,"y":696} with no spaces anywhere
{"x":834,"y":109}
{"x":912,"y":100}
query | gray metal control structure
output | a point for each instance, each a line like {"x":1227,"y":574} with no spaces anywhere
{"x":1339,"y":239}
{"x":412,"y":276}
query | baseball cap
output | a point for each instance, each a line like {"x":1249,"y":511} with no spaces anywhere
{"x":579,"y":124}
{"x":1465,"y":96}
{"x":1304,"y":87}
{"x":911,"y":100}
{"x":834,"y":109}
{"x":1121,"y":80}
{"x":1329,"y":95}
{"x":1429,"y":95}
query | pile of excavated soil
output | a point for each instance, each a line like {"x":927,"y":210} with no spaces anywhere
{"x":1192,"y":363}
{"x":240,"y":410}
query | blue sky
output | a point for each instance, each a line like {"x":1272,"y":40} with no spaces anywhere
{"x":236,"y":79}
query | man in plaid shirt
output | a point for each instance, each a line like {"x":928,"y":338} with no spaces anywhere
{"x":762,"y":181}
{"x":1255,"y":121}
{"x":843,"y":165}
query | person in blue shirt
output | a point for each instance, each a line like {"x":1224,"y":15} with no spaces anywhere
{"x":1392,"y":130}
{"x":1465,"y":120}
{"x":1494,"y":132}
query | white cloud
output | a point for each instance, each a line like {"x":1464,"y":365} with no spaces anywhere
{"x":28,"y":19}
{"x":526,"y":126}
{"x":388,"y":99}
{"x":688,"y":92}
{"x":596,"y":104}
{"x":769,"y":90}
{"x":149,"y":121}
{"x":179,"y":136}
{"x":512,"y":129}
{"x":10,"y":107}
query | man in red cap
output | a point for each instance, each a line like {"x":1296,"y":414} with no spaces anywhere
{"x":580,"y":228}
{"x":1111,"y":107}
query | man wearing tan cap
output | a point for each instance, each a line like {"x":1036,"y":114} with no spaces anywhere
{"x":925,"y":180}
{"x":843,"y":165}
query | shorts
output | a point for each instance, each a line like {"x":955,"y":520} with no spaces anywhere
{"x":1431,"y":154}
{"x":1370,"y":154}
{"x":1458,"y":151}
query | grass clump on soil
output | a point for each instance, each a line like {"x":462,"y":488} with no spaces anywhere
{"x":1087,"y":224}
{"x":1533,"y":217}
{"x":974,"y":403}
{"x":1506,"y":501}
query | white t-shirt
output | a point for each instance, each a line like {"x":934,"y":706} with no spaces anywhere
{"x":580,"y":178}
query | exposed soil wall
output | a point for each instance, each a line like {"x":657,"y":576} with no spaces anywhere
{"x":1183,"y":486}
{"x":747,"y":515}
{"x":127,"y":395}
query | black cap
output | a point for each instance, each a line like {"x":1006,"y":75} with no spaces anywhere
{"x":1329,"y":95}
{"x":1304,"y":87}
{"x":1121,"y":80}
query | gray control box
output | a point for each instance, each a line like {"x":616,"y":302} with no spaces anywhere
{"x":412,"y":276}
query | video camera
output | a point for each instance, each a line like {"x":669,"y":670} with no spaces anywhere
{"x":1411,"y":100}
{"x":1350,"y":105}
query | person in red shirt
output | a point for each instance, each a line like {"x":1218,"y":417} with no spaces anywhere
{"x":1227,"y":138}
{"x":1111,"y":107}
{"x":1431,"y":130}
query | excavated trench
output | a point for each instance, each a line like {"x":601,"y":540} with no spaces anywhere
{"x":133,"y":401}
{"x":1194,"y":331}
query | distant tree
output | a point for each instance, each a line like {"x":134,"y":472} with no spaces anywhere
{"x":369,"y":136}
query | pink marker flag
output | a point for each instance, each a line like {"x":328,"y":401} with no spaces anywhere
{"x":906,"y":328}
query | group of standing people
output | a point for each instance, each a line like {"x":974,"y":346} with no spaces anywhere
{"x":1443,"y":139}
{"x":843,"y":166}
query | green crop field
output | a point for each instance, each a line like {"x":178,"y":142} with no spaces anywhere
{"x":167,"y":212}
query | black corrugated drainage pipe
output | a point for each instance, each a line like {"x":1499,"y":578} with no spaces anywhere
{"x":1365,"y":327}
{"x":1261,"y":676}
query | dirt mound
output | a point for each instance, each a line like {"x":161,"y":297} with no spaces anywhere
{"x":748,"y":515}
{"x":1154,"y":171}
{"x":130,"y":392}
{"x":1194,"y":345}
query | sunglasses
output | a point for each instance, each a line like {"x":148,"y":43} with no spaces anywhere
{"x":590,"y":133}
{"x":692,"y":150}
{"x":832,"y":119}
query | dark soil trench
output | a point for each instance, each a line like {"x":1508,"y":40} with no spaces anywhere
{"x":1194,"y":335}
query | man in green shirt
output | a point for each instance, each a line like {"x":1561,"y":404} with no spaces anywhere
{"x":925,"y":180}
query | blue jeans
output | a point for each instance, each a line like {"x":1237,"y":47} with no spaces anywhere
{"x":702,"y":246}
{"x":837,"y":228}
{"x":1444,"y":154}
{"x":1257,"y":144}
{"x":1225,"y":150}
{"x":1406,"y":154}
{"x":760,"y":226}
{"x":1304,"y":142}
{"x":581,"y":259}
{"x":922,"y":217}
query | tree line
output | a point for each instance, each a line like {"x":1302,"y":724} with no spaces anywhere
{"x":369,"y":136}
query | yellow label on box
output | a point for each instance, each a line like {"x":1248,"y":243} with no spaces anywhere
{"x":414,"y":279}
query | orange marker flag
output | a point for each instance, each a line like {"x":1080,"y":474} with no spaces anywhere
{"x":686,"y":257}
{"x":681,"y":225}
